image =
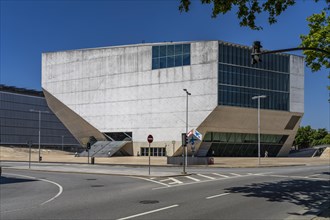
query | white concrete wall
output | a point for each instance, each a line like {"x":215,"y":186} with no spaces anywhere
{"x":296,"y":84}
{"x":115,"y":89}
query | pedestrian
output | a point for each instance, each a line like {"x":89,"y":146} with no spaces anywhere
{"x":266,"y":153}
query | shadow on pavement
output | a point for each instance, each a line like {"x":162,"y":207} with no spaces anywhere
{"x":10,"y":180}
{"x":313,"y":195}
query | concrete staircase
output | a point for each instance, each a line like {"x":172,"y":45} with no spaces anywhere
{"x":203,"y":149}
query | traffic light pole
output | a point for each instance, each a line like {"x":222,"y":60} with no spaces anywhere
{"x":184,"y":144}
{"x":256,"y":52}
{"x":292,"y":49}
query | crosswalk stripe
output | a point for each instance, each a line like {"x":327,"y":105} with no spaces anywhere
{"x":175,"y":181}
{"x":217,"y":174}
{"x":192,"y":178}
{"x":209,"y":177}
{"x":235,"y":174}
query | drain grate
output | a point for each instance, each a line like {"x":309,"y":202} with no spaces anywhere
{"x":91,"y":179}
{"x":149,"y":201}
{"x":97,"y":185}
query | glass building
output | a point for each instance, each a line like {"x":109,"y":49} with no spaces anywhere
{"x":19,"y":120}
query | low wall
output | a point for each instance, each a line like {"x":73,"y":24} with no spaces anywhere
{"x":191,"y":160}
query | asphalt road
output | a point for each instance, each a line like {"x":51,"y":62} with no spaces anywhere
{"x":254,"y":193}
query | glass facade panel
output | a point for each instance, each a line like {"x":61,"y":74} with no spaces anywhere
{"x":243,"y":145}
{"x":170,"y":56}
{"x":19,"y":125}
{"x":178,"y":60}
{"x":239,"y":81}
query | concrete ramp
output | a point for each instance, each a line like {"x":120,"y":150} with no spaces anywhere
{"x":113,"y":148}
{"x":107,"y":149}
{"x":97,"y":146}
{"x":326,"y":153}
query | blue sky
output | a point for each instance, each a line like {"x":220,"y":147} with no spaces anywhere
{"x":29,"y":28}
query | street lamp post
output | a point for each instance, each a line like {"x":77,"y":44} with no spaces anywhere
{"x":39,"y":111}
{"x":259,"y":97}
{"x":62,"y":142}
{"x":185,"y":147}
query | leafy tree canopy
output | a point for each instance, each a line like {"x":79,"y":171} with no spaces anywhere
{"x":318,"y":37}
{"x":308,"y":137}
{"x":247,"y":10}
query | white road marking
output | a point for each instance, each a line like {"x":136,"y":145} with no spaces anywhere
{"x":164,"y":180}
{"x":192,"y":178}
{"x":149,"y":212}
{"x":34,"y":178}
{"x":175,"y":181}
{"x":211,"y":197}
{"x":318,"y":174}
{"x":57,"y":195}
{"x":294,"y":177}
{"x":235,"y":174}
{"x":164,"y":184}
{"x":208,"y":177}
{"x":217,"y":174}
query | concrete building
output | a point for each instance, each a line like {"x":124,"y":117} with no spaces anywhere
{"x":128,"y":92}
{"x":19,"y":120}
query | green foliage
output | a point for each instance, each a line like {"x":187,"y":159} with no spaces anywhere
{"x":318,"y":37}
{"x":303,"y":137}
{"x":247,"y":9}
{"x":308,"y":137}
{"x":326,"y":139}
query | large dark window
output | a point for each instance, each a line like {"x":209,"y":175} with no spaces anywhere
{"x":239,"y":81}
{"x":173,"y":55}
{"x":243,"y":145}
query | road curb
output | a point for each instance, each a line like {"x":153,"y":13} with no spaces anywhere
{"x":165,"y":165}
{"x":97,"y":173}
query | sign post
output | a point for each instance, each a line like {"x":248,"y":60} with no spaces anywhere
{"x":150,"y":140}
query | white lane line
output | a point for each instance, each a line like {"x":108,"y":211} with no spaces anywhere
{"x":217,"y":174}
{"x":318,"y":174}
{"x":215,"y":196}
{"x":208,"y":177}
{"x":31,"y":177}
{"x":164,"y":180}
{"x":192,"y":178}
{"x":175,"y":181}
{"x":164,"y":184}
{"x":235,"y":174}
{"x":149,"y":212}
{"x":57,"y":195}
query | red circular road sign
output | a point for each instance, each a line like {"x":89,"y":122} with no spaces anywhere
{"x":150,"y":138}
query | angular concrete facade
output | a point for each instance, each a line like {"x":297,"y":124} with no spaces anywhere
{"x":115,"y":89}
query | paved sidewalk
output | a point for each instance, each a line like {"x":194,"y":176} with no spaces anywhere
{"x":54,"y":160}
